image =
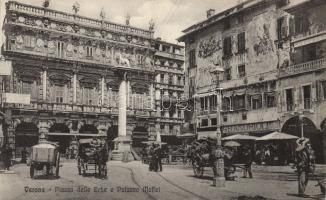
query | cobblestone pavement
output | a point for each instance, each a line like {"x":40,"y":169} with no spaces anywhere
{"x":133,"y":181}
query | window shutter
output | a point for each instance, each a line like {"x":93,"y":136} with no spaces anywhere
{"x":65,"y":95}
{"x":319,"y":95}
{"x":300,"y":100}
{"x":313,"y":92}
{"x":291,"y":26}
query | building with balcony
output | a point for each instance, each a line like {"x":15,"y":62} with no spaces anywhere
{"x":272,"y":53}
{"x":302,"y":80}
{"x":85,"y":76}
{"x":241,"y":41}
{"x":169,"y":88}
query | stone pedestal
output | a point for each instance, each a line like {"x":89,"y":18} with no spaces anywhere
{"x":122,"y":150}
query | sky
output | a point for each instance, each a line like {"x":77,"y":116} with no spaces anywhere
{"x":170,"y":16}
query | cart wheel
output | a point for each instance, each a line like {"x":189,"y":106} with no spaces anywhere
{"x":198,"y":170}
{"x":31,"y":171}
{"x":57,"y":167}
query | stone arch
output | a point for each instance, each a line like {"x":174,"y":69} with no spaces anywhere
{"x":26,"y":135}
{"x":63,"y":140}
{"x":293,"y":126}
{"x":323,"y":126}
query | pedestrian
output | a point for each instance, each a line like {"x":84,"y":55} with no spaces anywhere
{"x":159,"y":153}
{"x":302,"y":165}
{"x":153,"y":161}
{"x":248,"y":162}
{"x":7,"y":157}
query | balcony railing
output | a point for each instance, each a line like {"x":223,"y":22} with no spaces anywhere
{"x":169,"y":55}
{"x":67,"y":108}
{"x":303,"y":67}
{"x":38,"y":11}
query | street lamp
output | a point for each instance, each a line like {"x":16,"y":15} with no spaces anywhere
{"x":219,"y":179}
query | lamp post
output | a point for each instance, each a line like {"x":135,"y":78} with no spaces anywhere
{"x":219,"y":178}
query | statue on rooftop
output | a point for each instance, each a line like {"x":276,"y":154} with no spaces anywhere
{"x":102,"y":14}
{"x":76,"y":7}
{"x":151,"y":25}
{"x":46,"y":3}
{"x":128,"y":19}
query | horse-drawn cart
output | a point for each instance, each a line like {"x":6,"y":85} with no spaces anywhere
{"x":92,"y":156}
{"x":45,"y":155}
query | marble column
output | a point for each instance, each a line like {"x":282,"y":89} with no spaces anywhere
{"x":122,"y":119}
{"x":74,"y":88}
{"x":102,"y":91}
{"x":44,"y":79}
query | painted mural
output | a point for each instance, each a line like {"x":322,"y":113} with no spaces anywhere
{"x":262,"y":50}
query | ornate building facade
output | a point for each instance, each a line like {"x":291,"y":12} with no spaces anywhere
{"x":85,"y":76}
{"x":252,"y":43}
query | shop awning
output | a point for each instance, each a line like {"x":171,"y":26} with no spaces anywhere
{"x":277,"y":136}
{"x":77,"y":134}
{"x":206,"y":134}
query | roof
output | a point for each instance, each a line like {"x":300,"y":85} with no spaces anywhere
{"x":44,"y":146}
{"x":219,"y":16}
{"x":160,"y":41}
{"x":302,"y":4}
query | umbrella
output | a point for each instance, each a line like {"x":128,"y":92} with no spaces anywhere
{"x":277,"y":136}
{"x":232,"y":144}
{"x":240,"y":137}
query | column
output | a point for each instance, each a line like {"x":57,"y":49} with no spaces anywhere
{"x":151,"y":93}
{"x":122,"y":119}
{"x":44,"y":78}
{"x":102,"y":91}
{"x":128,"y":93}
{"x":74,"y":99}
{"x":43,"y":127}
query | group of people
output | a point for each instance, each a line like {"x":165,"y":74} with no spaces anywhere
{"x":280,"y":153}
{"x":6,"y":156}
{"x":156,"y":154}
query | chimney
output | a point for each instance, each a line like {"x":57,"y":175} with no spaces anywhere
{"x":210,"y":13}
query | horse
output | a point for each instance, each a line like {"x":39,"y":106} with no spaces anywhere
{"x":101,"y":157}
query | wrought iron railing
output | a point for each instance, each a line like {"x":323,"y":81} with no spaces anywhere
{"x":303,"y":67}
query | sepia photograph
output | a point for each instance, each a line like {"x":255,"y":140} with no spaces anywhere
{"x":162,"y":99}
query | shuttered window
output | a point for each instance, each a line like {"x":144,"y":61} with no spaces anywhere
{"x":323,"y":85}
{"x":59,"y":93}
{"x":241,"y":42}
{"x":227,"y":47}
{"x":192,"y":58}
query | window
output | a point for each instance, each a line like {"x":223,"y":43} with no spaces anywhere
{"x":270,"y":99}
{"x":241,"y":42}
{"x":60,"y":49}
{"x":242,"y":71}
{"x":88,"y":96}
{"x":170,"y":80}
{"x":323,"y":83}
{"x":307,"y":96}
{"x":162,"y":78}
{"x":179,"y":80}
{"x":213,"y":102}
{"x":89,"y":51}
{"x":202,"y":103}
{"x":59,"y":92}
{"x":29,"y":41}
{"x":213,"y":121}
{"x":26,"y":87}
{"x":227,"y":47}
{"x":256,"y":102}
{"x":289,"y":99}
{"x":227,"y":74}
{"x":226,"y":103}
{"x":204,"y":122}
{"x":179,"y":113}
{"x":301,"y":23}
{"x":192,"y":58}
{"x":282,"y":28}
{"x":244,"y":116}
{"x":227,"y":23}
{"x":239,"y":102}
{"x":206,"y":103}
{"x":225,"y":118}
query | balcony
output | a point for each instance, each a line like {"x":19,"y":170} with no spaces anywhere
{"x":170,"y":55}
{"x":308,"y":37}
{"x":62,"y":16}
{"x":76,"y":108}
{"x":303,"y":68}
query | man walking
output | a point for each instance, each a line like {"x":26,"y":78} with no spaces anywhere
{"x":248,"y":162}
{"x":159,"y":154}
{"x":302,"y":165}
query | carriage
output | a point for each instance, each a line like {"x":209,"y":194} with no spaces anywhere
{"x":45,"y":155}
{"x":92,"y":156}
{"x":201,"y":155}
